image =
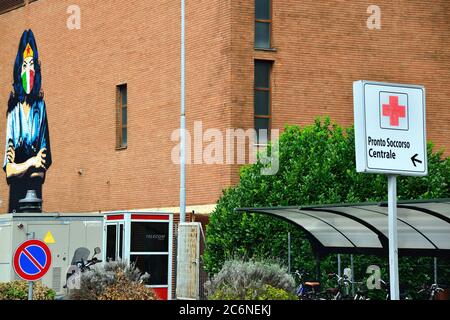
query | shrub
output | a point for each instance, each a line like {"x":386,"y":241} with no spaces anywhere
{"x":18,"y":290}
{"x":267,"y":292}
{"x":271,"y":293}
{"x":251,"y":280}
{"x":124,"y":289}
{"x":115,"y":280}
{"x":316,"y":166}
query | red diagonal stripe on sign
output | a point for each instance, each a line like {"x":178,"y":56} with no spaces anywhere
{"x":33,"y":260}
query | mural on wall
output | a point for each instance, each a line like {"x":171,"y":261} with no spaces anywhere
{"x":27,"y":149}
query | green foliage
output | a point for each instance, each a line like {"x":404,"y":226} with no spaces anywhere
{"x":316,"y":166}
{"x":251,"y":280}
{"x":266,"y":292}
{"x":18,"y":290}
{"x":271,"y":293}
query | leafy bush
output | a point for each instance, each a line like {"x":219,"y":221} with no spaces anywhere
{"x":316,"y":166}
{"x":271,"y":293}
{"x":18,"y":290}
{"x":251,"y":280}
{"x":115,"y":280}
{"x":267,"y":292}
{"x":124,"y":289}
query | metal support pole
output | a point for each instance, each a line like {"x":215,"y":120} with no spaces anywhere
{"x":30,"y":236}
{"x":352,"y":278}
{"x":339,"y":264}
{"x":393,"y":241}
{"x":289,"y":252}
{"x":183,"y":120}
{"x":30,"y":290}
{"x":435,"y":271}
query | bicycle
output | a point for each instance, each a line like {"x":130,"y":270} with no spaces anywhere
{"x":342,"y":291}
{"x":431,"y":291}
{"x":307,"y":290}
{"x":386,"y":287}
{"x":361,"y":291}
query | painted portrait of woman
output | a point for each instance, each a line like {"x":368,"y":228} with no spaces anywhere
{"x":27,"y":149}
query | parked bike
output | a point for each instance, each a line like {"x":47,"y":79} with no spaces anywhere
{"x":431,"y":292}
{"x":308,"y":290}
{"x":361,"y":291}
{"x":343,"y":290}
{"x":385,"y":286}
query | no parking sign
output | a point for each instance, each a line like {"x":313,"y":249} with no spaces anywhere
{"x":32,"y":260}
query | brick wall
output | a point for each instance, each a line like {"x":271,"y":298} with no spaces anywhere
{"x":320,"y":50}
{"x":138,"y":43}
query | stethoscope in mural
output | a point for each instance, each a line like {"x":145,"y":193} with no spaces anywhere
{"x":27,"y":150}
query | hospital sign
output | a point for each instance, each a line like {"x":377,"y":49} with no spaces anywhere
{"x":390,"y":135}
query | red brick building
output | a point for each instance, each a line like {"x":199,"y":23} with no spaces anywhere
{"x":314,"y":54}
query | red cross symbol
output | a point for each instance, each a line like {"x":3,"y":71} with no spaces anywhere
{"x":394,"y":111}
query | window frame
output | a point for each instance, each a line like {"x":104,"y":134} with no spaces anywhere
{"x":266,"y":21}
{"x":269,"y":90}
{"x":119,"y":115}
{"x":155,"y":253}
{"x":108,"y":241}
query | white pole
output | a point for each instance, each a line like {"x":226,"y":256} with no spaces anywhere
{"x":30,"y":283}
{"x":180,"y":256}
{"x":30,"y":290}
{"x":289,"y":252}
{"x":339,"y":264}
{"x":435,"y":271}
{"x":352,"y":278}
{"x":183,"y":121}
{"x":393,"y":241}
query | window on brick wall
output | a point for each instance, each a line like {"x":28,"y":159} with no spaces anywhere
{"x":263,"y":23}
{"x":121,"y":117}
{"x":262,"y":100}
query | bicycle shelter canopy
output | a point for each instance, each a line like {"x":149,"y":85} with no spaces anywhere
{"x":423,"y":226}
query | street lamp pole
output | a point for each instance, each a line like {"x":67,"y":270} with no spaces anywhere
{"x":183,"y":120}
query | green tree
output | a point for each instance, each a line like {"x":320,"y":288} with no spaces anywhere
{"x":316,"y":166}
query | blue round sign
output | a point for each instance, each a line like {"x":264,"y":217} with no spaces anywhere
{"x":32,"y":260}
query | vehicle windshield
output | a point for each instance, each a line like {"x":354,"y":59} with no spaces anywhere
{"x":80,"y":254}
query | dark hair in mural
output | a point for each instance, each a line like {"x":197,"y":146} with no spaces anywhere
{"x":18,"y":94}
{"x":27,"y":141}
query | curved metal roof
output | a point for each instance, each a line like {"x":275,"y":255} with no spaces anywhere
{"x":423,"y":226}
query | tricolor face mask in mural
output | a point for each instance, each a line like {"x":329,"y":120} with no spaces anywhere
{"x":27,"y":73}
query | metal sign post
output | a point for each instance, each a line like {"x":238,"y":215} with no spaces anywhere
{"x":393,"y":241}
{"x":30,"y":290}
{"x":30,"y":283}
{"x":390,"y":138}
